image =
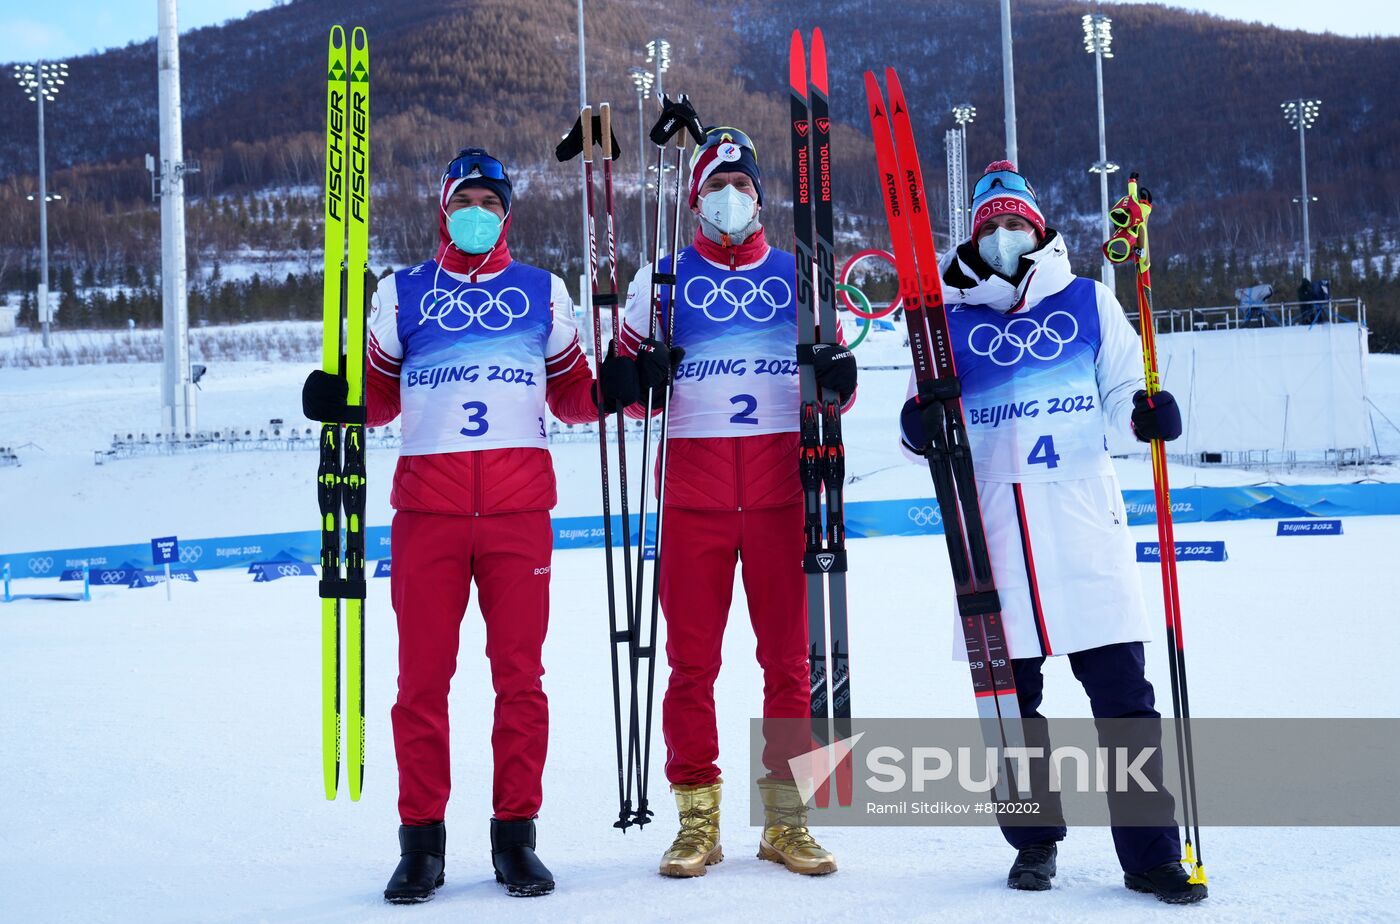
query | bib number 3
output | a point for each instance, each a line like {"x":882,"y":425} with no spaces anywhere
{"x":1043,"y":453}
{"x":476,"y":419}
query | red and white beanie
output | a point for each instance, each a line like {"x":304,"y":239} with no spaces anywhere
{"x":1002,"y":191}
{"x":724,"y":150}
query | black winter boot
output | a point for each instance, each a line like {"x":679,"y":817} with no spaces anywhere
{"x":419,"y":873}
{"x":513,"y":856}
{"x":1033,"y":869}
{"x":1169,"y":883}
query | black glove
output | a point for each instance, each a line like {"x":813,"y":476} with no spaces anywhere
{"x":617,"y":385}
{"x":656,"y":364}
{"x":1156,"y":418}
{"x":911,"y":427}
{"x":835,"y":367}
{"x":323,"y":397}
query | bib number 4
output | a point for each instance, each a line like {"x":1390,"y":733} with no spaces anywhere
{"x":1043,"y":453}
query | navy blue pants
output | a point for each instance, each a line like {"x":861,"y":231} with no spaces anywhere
{"x":1118,"y":688}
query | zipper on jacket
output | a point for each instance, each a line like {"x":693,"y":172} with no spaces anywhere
{"x":476,"y":485}
{"x":738,"y":474}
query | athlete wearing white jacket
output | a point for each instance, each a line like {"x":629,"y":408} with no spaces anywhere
{"x":1048,"y":364}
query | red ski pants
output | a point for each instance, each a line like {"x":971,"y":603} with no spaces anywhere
{"x":698,"y":556}
{"x":436,"y":557}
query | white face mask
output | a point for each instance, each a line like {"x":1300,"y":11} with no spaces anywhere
{"x":1003,"y":249}
{"x":729,"y":210}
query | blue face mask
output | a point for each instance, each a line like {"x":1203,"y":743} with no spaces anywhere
{"x":474,"y":229}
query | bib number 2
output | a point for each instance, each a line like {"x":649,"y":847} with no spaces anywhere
{"x":1043,"y":453}
{"x":476,"y":419}
{"x":747,"y":404}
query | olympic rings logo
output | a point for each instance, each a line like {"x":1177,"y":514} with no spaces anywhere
{"x":846,"y":271}
{"x":289,"y":570}
{"x":925,"y":516}
{"x":191,"y":553}
{"x":737,"y":293}
{"x":458,"y":309}
{"x":41,"y":565}
{"x":112,"y":577}
{"x":1042,"y":340}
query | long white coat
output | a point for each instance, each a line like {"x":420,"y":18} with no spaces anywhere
{"x":1039,"y":406}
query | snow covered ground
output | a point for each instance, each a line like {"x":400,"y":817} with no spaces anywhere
{"x":162,"y":760}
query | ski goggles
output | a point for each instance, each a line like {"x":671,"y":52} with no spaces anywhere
{"x":720,"y":134}
{"x":1006,"y":179}
{"x":475,"y":163}
{"x":1121,"y":247}
{"x":1127,"y":213}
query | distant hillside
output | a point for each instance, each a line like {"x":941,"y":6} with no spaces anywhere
{"x":1192,"y":103}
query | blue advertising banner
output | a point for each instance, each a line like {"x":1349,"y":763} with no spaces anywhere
{"x":276,"y":570}
{"x":148,"y":578}
{"x":114,"y":577}
{"x":1185,"y":551}
{"x":381,"y":568}
{"x":903,"y":517}
{"x":1309,"y":528}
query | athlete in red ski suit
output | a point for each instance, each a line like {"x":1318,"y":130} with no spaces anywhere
{"x":470,"y":347}
{"x":732,"y":487}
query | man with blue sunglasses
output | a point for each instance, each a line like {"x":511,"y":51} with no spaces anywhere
{"x":1049,"y":365}
{"x":471,"y":347}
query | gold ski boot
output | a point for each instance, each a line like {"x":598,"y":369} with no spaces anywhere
{"x":786,"y":839}
{"x":697,"y":844}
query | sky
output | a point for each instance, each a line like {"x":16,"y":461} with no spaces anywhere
{"x":63,"y":28}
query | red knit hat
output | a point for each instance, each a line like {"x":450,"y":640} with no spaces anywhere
{"x":1003,"y":191}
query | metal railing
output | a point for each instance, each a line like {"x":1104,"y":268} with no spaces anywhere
{"x":274,"y":436}
{"x":1267,"y":314}
{"x":278,"y":437}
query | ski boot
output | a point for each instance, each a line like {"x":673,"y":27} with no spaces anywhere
{"x":785,"y":837}
{"x":697,"y":844}
{"x":513,"y":856}
{"x":420,"y":869}
{"x":1169,"y":882}
{"x":1033,"y":869}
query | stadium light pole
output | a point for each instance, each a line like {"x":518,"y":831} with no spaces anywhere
{"x":1008,"y":82}
{"x":963,"y":113}
{"x":40,"y":83}
{"x":1301,"y":114}
{"x":642,"y":79}
{"x":1098,"y":41}
{"x":659,"y":56}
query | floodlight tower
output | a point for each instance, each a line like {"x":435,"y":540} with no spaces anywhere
{"x":1301,"y":114}
{"x":1098,"y":41}
{"x":642,"y":79}
{"x":41,"y":83}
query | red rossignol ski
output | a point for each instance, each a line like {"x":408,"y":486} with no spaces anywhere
{"x":940,"y":399}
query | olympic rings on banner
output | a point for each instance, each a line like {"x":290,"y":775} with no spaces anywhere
{"x":865,"y":320}
{"x":846,"y":281}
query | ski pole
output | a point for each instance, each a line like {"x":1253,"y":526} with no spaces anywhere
{"x":580,"y":141}
{"x":1130,"y":215}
